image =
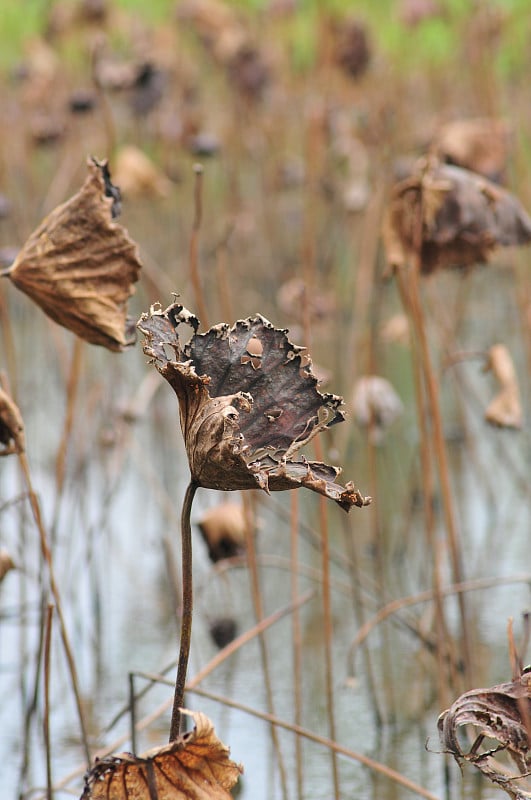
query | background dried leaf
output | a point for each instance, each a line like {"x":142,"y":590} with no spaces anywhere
{"x":79,"y":266}
{"x":456,"y":217}
{"x":11,"y":426}
{"x":479,"y":144}
{"x":223,"y":529}
{"x":196,"y":766}
{"x":505,"y":410}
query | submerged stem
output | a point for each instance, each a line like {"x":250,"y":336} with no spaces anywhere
{"x":187,"y":609}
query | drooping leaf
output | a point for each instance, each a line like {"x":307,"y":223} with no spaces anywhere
{"x":480,"y":144}
{"x":196,"y":766}
{"x":443,"y":216}
{"x":505,"y":410}
{"x":376,"y":405}
{"x":223,"y":530}
{"x":246,"y":404}
{"x":79,"y":265}
{"x":501,"y":713}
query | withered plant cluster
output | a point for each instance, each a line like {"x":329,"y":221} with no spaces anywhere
{"x":293,"y":163}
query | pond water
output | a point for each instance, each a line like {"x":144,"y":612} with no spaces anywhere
{"x":115,"y":536}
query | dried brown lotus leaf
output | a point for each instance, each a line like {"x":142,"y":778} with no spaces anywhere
{"x":223,"y":530}
{"x":12,"y":438}
{"x":79,"y":265}
{"x":244,"y":414}
{"x":196,"y":766}
{"x":505,"y":410}
{"x":443,"y":216}
{"x":6,"y":563}
{"x":136,"y":174}
{"x":376,"y":405}
{"x":480,"y":144}
{"x":501,"y":713}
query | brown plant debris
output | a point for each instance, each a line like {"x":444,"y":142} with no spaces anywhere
{"x":505,"y":410}
{"x":6,"y":563}
{"x":196,"y":766}
{"x":79,"y":265}
{"x":223,"y":530}
{"x":12,"y":438}
{"x":501,"y":713}
{"x":443,"y":216}
{"x":242,"y":422}
{"x":376,"y":405}
{"x":480,"y":144}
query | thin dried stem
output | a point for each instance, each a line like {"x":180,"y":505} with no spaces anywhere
{"x":46,"y":553}
{"x":194,"y":246}
{"x":389,"y":773}
{"x":297,"y":638}
{"x":187,"y":609}
{"x":46,"y":721}
{"x":328,"y":629}
{"x":71,"y":396}
{"x":259,"y":613}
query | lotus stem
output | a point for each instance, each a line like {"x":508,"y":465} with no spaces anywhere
{"x":187,"y":609}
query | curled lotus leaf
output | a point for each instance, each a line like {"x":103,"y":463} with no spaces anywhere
{"x":79,"y":265}
{"x":501,"y":713}
{"x":247,"y":404}
{"x":12,"y":437}
{"x":444,"y":216}
{"x":196,"y":766}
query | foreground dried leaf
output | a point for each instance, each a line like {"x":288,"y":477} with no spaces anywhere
{"x":502,"y":713}
{"x":505,"y":410}
{"x":79,"y":265}
{"x":12,"y":438}
{"x":246,"y":405}
{"x":196,"y":766}
{"x":443,"y":216}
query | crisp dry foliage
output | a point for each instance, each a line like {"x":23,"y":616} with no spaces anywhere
{"x":505,"y":410}
{"x":196,"y":766}
{"x":443,"y":216}
{"x":502,"y":713}
{"x":12,"y":439}
{"x":79,"y":265}
{"x":246,"y":405}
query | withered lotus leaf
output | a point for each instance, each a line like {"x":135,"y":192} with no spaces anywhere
{"x":196,"y":766}
{"x":12,"y":438}
{"x":505,"y":410}
{"x":502,"y":713}
{"x":79,"y":265}
{"x":246,"y":404}
{"x":446,"y":216}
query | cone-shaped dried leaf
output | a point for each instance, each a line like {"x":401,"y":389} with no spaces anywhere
{"x":12,"y":438}
{"x":196,"y":766}
{"x":376,"y":405}
{"x":246,"y":404}
{"x":505,"y":410}
{"x":79,"y":266}
{"x":502,"y":713}
{"x":450,"y":217}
